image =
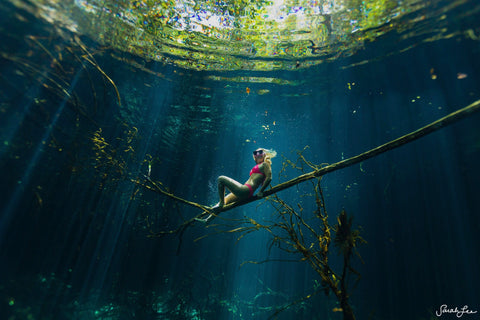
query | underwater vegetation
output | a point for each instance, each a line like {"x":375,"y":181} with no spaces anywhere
{"x":305,"y":235}
{"x":299,"y":233}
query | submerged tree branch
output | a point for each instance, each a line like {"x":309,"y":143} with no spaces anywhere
{"x":91,"y":60}
{"x":432,"y":127}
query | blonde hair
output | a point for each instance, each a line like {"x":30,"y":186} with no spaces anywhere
{"x":269,"y":154}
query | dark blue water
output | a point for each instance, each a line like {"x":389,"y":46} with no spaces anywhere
{"x":75,"y":230}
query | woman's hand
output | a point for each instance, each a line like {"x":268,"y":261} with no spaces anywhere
{"x":260,"y":194}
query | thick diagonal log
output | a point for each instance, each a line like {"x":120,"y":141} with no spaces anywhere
{"x":412,"y":136}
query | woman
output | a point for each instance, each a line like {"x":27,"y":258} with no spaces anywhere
{"x":260,"y":175}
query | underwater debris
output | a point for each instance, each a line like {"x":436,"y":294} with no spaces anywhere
{"x":262,"y":91}
{"x":57,"y":68}
{"x":91,"y":60}
{"x":346,"y":239}
{"x":312,"y":240}
{"x":114,"y":162}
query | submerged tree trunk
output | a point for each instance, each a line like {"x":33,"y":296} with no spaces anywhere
{"x":432,"y":127}
{"x":347,"y":309}
{"x":412,"y":136}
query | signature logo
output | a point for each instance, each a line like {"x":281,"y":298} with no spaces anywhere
{"x":459,"y":312}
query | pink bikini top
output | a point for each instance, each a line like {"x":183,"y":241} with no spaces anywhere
{"x":256,"y":169}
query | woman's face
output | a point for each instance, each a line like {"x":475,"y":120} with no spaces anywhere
{"x":259,"y":155}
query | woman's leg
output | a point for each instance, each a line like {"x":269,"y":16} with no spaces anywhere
{"x":238,"y":190}
{"x":229,"y":198}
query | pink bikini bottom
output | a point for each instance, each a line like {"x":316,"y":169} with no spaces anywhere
{"x":249,"y":188}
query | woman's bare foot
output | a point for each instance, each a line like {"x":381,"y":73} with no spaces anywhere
{"x":204,"y":220}
{"x":209,"y":213}
{"x":216,"y":208}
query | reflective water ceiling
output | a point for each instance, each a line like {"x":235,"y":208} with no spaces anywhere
{"x":244,"y":34}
